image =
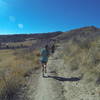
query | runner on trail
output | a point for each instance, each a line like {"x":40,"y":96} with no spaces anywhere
{"x":44,"y":58}
{"x":53,"y":48}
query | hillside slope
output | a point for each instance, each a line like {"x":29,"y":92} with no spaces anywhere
{"x":73,"y":70}
{"x":87,"y":33}
{"x":24,"y":37}
{"x":64,"y":81}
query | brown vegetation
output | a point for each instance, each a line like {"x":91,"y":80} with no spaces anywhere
{"x":15,"y":66}
{"x":84,"y":57}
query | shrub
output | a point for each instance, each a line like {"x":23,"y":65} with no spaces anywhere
{"x":12,"y":75}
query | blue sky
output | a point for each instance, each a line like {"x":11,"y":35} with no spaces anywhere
{"x":39,"y":16}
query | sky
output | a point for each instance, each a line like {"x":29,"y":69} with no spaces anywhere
{"x":42,"y":16}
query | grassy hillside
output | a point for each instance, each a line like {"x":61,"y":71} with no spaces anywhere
{"x":83,"y":58}
{"x":15,"y":66}
{"x":81,"y":53}
{"x":85,"y":33}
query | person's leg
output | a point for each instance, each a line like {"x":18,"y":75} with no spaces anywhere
{"x":42,"y":69}
{"x":45,"y":67}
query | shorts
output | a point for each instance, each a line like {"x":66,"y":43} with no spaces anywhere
{"x":44,"y":62}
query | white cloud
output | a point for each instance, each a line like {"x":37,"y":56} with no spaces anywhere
{"x":12,"y":18}
{"x":21,"y":26}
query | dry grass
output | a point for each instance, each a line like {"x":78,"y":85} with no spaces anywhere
{"x":27,"y":43}
{"x":15,"y":65}
{"x":84,"y":58}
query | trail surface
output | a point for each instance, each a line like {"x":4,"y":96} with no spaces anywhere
{"x":61,"y":83}
{"x":48,"y":88}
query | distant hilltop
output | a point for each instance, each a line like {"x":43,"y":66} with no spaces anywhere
{"x":24,"y":37}
{"x":90,"y":31}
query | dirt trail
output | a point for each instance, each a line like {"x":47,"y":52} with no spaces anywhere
{"x":61,"y":83}
{"x":46,"y":88}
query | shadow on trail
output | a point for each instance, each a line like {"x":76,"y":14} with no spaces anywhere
{"x":72,"y":79}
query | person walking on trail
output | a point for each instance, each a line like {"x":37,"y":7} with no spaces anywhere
{"x":44,"y":59}
{"x":53,"y":48}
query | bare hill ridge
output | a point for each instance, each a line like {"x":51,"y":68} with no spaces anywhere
{"x":23,"y":37}
{"x":87,"y":32}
